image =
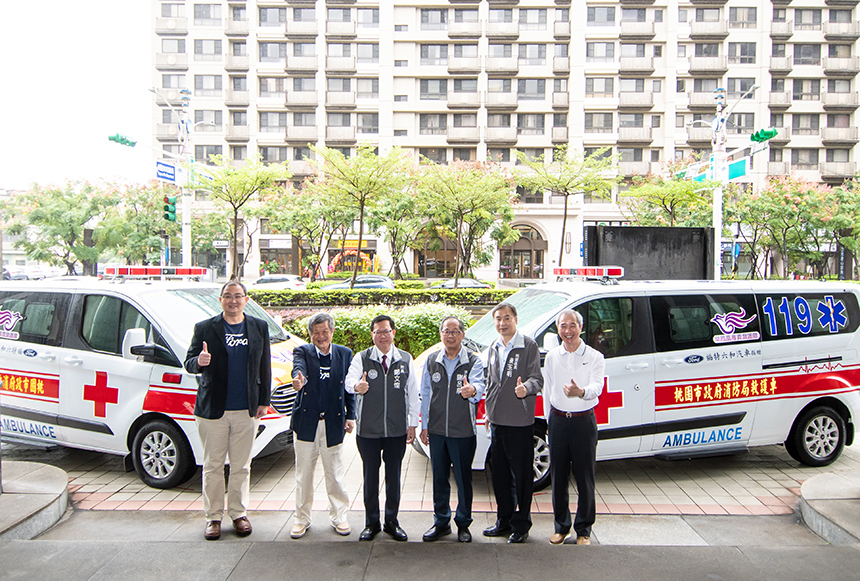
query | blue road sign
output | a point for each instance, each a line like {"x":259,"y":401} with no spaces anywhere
{"x":165,"y":171}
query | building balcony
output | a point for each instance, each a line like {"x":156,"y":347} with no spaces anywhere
{"x":510,"y":30}
{"x":561,"y":100}
{"x":561,"y":65}
{"x":340,"y":29}
{"x":503,"y":2}
{"x":459,"y":100}
{"x":634,"y":168}
{"x":840,"y":101}
{"x":708,"y":2}
{"x":496,"y":135}
{"x":708,"y":65}
{"x":500,"y":100}
{"x":779,"y":99}
{"x":839,"y":136}
{"x":301,"y":98}
{"x":340,"y":65}
{"x":168,"y":97}
{"x":167,"y":132}
{"x":502,"y":65}
{"x":781,"y":30}
{"x":777,"y":168}
{"x":340,"y":99}
{"x":171,"y":26}
{"x":841,"y":31}
{"x":301,"y":168}
{"x":641,"y":100}
{"x":238,"y":133}
{"x":637,"y":66}
{"x":237,"y":62}
{"x":717,"y":30}
{"x":699,"y":135}
{"x":783,"y":135}
{"x":236,"y":98}
{"x":302,"y":64}
{"x":464,"y":30}
{"x":781,"y":65}
{"x":841,"y":67}
{"x":301,"y":29}
{"x":302,"y":134}
{"x":637,"y":30}
{"x":838,"y":170}
{"x":464,"y":135}
{"x":701,"y":100}
{"x":168,"y":61}
{"x":236,"y":28}
{"x":637,"y":2}
{"x":559,"y":135}
{"x":842,"y":3}
{"x":464,"y":65}
{"x":635,"y":135}
{"x":340,"y":134}
{"x":561,"y":30}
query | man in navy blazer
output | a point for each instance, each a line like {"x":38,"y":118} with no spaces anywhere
{"x":232,"y":353}
{"x":323,"y":412}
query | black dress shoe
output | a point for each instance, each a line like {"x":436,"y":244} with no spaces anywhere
{"x":394,"y":530}
{"x":436,"y":532}
{"x":497,"y":530}
{"x":518,"y":538}
{"x":463,"y":535}
{"x":369,"y":533}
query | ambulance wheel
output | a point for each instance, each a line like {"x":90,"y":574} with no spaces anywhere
{"x":161,"y":454}
{"x":542,"y":475}
{"x":817,"y":437}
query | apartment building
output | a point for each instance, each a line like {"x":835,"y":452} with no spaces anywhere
{"x":469,"y":79}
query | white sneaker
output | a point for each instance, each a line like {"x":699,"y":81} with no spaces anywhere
{"x":299,"y":530}
{"x":342,"y":528}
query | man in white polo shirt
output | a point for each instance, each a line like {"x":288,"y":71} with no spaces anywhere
{"x":573,"y":379}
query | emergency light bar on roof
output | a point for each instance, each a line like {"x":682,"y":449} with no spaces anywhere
{"x":604,"y":273}
{"x":155,"y":271}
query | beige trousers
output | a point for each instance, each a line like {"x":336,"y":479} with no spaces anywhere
{"x":229,"y":437}
{"x":334,"y":470}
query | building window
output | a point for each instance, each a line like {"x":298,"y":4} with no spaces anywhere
{"x":656,"y":121}
{"x":804,"y":158}
{"x":273,"y":52}
{"x":837,"y":155}
{"x":531,"y":153}
{"x":169,"y":116}
{"x":304,"y":49}
{"x":633,"y":15}
{"x":273,"y":122}
{"x":805,"y":124}
{"x":525,"y":257}
{"x":839,"y":50}
{"x":401,"y":133}
{"x":305,"y":119}
{"x":630,"y":154}
{"x":465,"y":15}
{"x":434,"y":89}
{"x":466,"y":51}
{"x":436,"y":155}
{"x":339,"y":50}
{"x":838,"y":86}
{"x":302,"y":153}
{"x":599,"y":86}
{"x":807,"y":19}
{"x":465,"y":85}
{"x":240,"y":118}
{"x":741,"y":123}
{"x":367,"y":53}
{"x":530,"y":124}
{"x":207,"y":85}
{"x":208,"y":120}
{"x":239,"y":48}
{"x":738,"y":87}
{"x":432,"y":124}
{"x":600,"y":16}
{"x":531,"y":89}
{"x":705,"y":85}
{"x":273,"y":16}
{"x":272,"y":154}
{"x":806,"y":89}
{"x":600,"y":52}
{"x":238,"y":152}
{"x":272,"y":87}
{"x":309,"y":84}
{"x":339,"y":120}
{"x":465,"y":154}
{"x":239,"y":14}
{"x":707,"y":14}
{"x":304,"y":15}
{"x":207,"y":14}
{"x":742,"y":17}
{"x":498,"y":120}
{"x":368,"y":122}
{"x":500,"y":51}
{"x":598,"y":122}
{"x":559,"y":86}
{"x":173,"y":45}
{"x":339,"y":15}
{"x":207,"y":50}
{"x":499,"y":154}
{"x":501,"y":15}
{"x":807,"y":54}
{"x":465,"y":120}
{"x":367,"y":88}
{"x":631,"y":120}
{"x":532,"y":19}
{"x":840,"y":16}
{"x":532,"y":54}
{"x":204,"y":153}
{"x":499,"y":86}
{"x":631,"y":85}
{"x":434,"y":19}
{"x":559,"y":119}
{"x":172,"y":10}
{"x":172,"y":81}
{"x":709,"y":49}
{"x":434,"y":54}
{"x":367,"y":17}
{"x":632,"y":50}
{"x":526,"y":196}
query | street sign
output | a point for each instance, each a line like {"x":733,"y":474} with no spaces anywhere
{"x":221,"y":243}
{"x":165,"y":172}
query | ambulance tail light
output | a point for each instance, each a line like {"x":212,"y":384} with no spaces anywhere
{"x":607,"y":274}
{"x":171,"y":378}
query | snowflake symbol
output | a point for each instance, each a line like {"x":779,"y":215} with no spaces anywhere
{"x":832,"y":314}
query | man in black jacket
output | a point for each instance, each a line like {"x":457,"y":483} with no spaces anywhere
{"x":323,"y":412}
{"x":231,"y":352}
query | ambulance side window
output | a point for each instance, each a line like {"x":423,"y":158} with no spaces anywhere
{"x":105,"y":321}
{"x":608,"y":325}
{"x":697,"y":321}
{"x":33,"y":317}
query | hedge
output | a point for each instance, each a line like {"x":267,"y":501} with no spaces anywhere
{"x":417,"y":325}
{"x":394,"y":297}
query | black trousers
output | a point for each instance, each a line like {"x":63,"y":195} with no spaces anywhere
{"x":513,"y":457}
{"x":573,"y":443}
{"x":373,"y":452}
{"x":447,"y":454}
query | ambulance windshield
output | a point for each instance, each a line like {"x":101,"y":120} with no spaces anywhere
{"x":531,"y":305}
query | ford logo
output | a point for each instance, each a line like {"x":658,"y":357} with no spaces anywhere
{"x":30,"y":352}
{"x":694,"y":359}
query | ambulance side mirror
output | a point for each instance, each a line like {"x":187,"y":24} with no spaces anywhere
{"x":132,"y":338}
{"x":550,"y":341}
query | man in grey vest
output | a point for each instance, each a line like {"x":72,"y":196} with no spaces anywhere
{"x":384,"y":379}
{"x":451,"y":386}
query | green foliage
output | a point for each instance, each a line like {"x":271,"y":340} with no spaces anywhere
{"x":417,"y":326}
{"x":333,"y":298}
{"x":135,"y":228}
{"x":659,"y":201}
{"x":408,"y":284}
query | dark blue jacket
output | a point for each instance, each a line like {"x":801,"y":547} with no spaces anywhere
{"x":339,"y":405}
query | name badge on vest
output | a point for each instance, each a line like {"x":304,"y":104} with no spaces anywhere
{"x":397,"y":377}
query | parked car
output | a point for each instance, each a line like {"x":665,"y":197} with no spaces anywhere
{"x":279,"y":282}
{"x":462,"y":283}
{"x":364,"y":281}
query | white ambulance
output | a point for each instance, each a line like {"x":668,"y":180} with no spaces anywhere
{"x":698,"y":368}
{"x":97,"y":365}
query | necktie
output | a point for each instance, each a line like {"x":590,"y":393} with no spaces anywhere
{"x":384,"y":363}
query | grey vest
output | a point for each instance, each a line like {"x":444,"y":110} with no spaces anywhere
{"x":383,"y":412}
{"x":450,"y":415}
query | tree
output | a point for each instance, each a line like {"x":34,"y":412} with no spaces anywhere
{"x":400,"y":223}
{"x":137,"y":229}
{"x":236,"y":187}
{"x":361,"y":181}
{"x":668,"y":201}
{"x":64,"y":226}
{"x":569,"y":173}
{"x":465,"y":200}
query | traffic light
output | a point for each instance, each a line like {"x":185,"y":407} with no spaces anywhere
{"x":763,"y":135}
{"x":122,"y":140}
{"x":170,"y":208}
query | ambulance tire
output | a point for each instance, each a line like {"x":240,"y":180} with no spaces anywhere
{"x":162,"y":456}
{"x":817,"y":437}
{"x":542,"y":475}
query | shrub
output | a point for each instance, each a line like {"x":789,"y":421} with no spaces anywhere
{"x":409,"y":284}
{"x":394,"y":297}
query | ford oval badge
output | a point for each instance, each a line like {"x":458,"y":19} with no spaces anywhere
{"x":30,"y":352}
{"x":694,"y":359}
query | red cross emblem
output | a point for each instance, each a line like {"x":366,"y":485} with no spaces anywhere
{"x":608,"y":400}
{"x":101,"y":395}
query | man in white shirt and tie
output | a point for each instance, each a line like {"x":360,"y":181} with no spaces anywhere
{"x":573,"y":379}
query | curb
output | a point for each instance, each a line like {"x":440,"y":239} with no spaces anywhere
{"x":35,"y":496}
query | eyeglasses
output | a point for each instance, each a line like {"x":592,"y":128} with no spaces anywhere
{"x":447,"y":332}
{"x":382,"y":331}
{"x":228,"y":297}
